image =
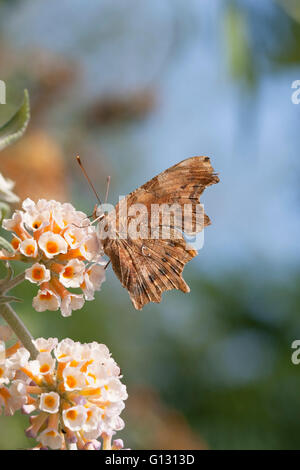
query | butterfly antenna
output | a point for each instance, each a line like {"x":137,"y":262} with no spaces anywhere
{"x":107,"y":189}
{"x":88,"y":179}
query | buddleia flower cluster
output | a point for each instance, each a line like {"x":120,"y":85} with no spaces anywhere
{"x":12,"y":359}
{"x":72,"y":392}
{"x":63,"y":251}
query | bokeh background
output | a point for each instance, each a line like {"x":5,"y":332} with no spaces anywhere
{"x":133,"y":87}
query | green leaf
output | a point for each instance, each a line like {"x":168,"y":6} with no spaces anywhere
{"x":16,"y":126}
{"x":6,"y":245}
{"x":4,"y":210}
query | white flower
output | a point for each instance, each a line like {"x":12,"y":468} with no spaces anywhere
{"x":18,"y":359}
{"x":74,"y":379}
{"x":94,"y":416}
{"x":75,"y":236}
{"x":71,"y":302}
{"x":51,"y":438}
{"x":116,"y":391}
{"x":67,"y":350}
{"x":17,"y":397}
{"x":14,"y":223}
{"x":97,"y":275}
{"x":28,"y":205}
{"x":45,"y":345}
{"x":6,"y":373}
{"x":46,"y":300}
{"x":97,"y":374}
{"x":93,"y":280}
{"x":35,"y":218}
{"x":49,"y":402}
{"x":75,"y":417}
{"x":37,"y":274}
{"x":52,"y":244}
{"x":91,"y":248}
{"x":36,"y":221}
{"x":46,"y":363}
{"x":72,"y":275}
{"x":6,"y":194}
{"x":114,"y":409}
{"x":65,"y":214}
{"x":29,"y":248}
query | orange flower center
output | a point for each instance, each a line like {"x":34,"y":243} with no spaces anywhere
{"x":73,"y":363}
{"x":50,"y":401}
{"x":15,"y":243}
{"x":1,"y":372}
{"x":29,"y":250}
{"x":46,"y":296}
{"x":71,"y":381}
{"x":37,"y":274}
{"x":52,"y":247}
{"x":36,"y":224}
{"x":44,"y":368}
{"x":68,"y":272}
{"x":72,"y":415}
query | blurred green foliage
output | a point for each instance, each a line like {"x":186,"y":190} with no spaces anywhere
{"x":259,"y":37}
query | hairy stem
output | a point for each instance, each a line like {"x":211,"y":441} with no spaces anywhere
{"x":18,"y":328}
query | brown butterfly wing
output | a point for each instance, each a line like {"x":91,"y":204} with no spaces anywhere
{"x":146,"y":276}
{"x":148,"y":267}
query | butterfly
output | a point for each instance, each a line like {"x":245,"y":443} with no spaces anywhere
{"x":148,"y":262}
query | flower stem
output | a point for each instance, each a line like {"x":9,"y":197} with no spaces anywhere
{"x":13,"y":283}
{"x":106,"y":441}
{"x":18,"y":328}
{"x":12,"y":318}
